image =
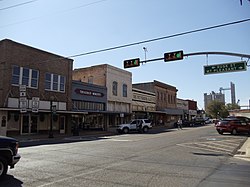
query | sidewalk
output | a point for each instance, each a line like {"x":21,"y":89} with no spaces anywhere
{"x":43,"y":139}
{"x":244,"y":152}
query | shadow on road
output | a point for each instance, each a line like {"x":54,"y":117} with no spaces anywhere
{"x":209,"y":154}
{"x":10,"y":181}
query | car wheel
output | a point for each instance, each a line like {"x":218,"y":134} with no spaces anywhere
{"x":234,"y":131}
{"x":220,"y":131}
{"x":145,"y":129}
{"x":125,"y":130}
{"x":3,"y":167}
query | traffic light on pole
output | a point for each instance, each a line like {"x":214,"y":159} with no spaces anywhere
{"x":131,"y":63}
{"x":171,"y":56}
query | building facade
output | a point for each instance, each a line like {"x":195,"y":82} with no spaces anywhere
{"x":89,"y":102}
{"x":143,"y":104}
{"x":119,"y":89}
{"x":166,"y":101}
{"x":32,"y":82}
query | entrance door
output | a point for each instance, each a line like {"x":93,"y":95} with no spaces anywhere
{"x":25,"y":123}
{"x":33,"y":124}
{"x":62,"y":124}
{"x":29,"y":123}
{"x":3,"y":125}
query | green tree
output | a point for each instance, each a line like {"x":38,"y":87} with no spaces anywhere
{"x":230,"y":106}
{"x":217,"y":109}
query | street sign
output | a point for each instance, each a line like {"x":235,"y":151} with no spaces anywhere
{"x":23,"y":104}
{"x":35,"y":104}
{"x":225,"y":68}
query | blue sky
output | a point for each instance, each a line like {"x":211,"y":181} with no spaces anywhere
{"x":78,"y":26}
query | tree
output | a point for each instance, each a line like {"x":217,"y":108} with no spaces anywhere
{"x":217,"y":109}
{"x":230,"y":106}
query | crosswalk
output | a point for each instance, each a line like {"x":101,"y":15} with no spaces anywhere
{"x":223,"y":145}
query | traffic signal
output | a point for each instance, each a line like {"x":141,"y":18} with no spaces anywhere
{"x":131,"y":63}
{"x":171,"y":56}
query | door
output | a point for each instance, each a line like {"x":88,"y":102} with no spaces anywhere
{"x":25,"y":123}
{"x":3,"y":125}
{"x":62,"y":124}
{"x":29,"y":123}
{"x":133,"y":124}
{"x":33,"y":124}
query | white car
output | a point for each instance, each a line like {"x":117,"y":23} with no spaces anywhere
{"x":141,"y":125}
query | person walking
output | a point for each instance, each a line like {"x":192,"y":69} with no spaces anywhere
{"x":179,"y":124}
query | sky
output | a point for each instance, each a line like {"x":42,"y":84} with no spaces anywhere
{"x":74,"y":27}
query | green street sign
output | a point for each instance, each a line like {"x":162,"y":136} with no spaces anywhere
{"x":225,"y":68}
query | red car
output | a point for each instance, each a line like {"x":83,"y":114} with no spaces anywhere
{"x":233,"y":125}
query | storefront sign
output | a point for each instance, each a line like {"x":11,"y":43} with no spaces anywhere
{"x":88,"y":93}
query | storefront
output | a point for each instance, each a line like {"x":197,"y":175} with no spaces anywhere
{"x":90,"y":101}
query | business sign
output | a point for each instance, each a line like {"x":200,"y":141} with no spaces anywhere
{"x":225,"y":68}
{"x":88,"y":93}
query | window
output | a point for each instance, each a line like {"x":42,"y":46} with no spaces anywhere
{"x":114,"y":89}
{"x":62,"y":84}
{"x":34,"y":78}
{"x":125,"y":90}
{"x":90,"y":79}
{"x":54,"y":82}
{"x":47,"y":81}
{"x":15,"y":75}
{"x":24,"y":76}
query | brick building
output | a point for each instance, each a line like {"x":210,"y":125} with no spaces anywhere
{"x":32,"y":83}
{"x":166,"y":103}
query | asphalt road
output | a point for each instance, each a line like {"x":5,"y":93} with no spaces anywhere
{"x":191,"y":157}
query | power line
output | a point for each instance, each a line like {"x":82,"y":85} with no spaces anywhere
{"x":20,"y":4}
{"x":58,"y":12}
{"x":146,"y":41}
{"x":160,"y":38}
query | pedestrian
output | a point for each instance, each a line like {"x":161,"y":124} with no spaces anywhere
{"x":179,"y":124}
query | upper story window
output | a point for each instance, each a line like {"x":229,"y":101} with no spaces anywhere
{"x":124,"y":90}
{"x":25,"y":76}
{"x":114,"y":88}
{"x":54,"y":82}
{"x":90,"y":79}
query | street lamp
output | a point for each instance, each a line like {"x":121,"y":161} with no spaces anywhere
{"x":52,"y":111}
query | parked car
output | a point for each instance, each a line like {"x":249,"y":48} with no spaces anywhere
{"x":233,"y":126}
{"x":208,"y":120}
{"x":241,"y":118}
{"x":140,"y":125}
{"x":8,"y":154}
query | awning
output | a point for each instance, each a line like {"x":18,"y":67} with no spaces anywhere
{"x":173,"y":111}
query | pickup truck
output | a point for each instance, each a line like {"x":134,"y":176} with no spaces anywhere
{"x":140,"y":125}
{"x":8,"y":154}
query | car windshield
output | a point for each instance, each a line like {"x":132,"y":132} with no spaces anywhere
{"x":224,"y":122}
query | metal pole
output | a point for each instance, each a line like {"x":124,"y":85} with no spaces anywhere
{"x":51,"y":121}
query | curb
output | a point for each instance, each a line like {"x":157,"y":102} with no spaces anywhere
{"x":244,"y":152}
